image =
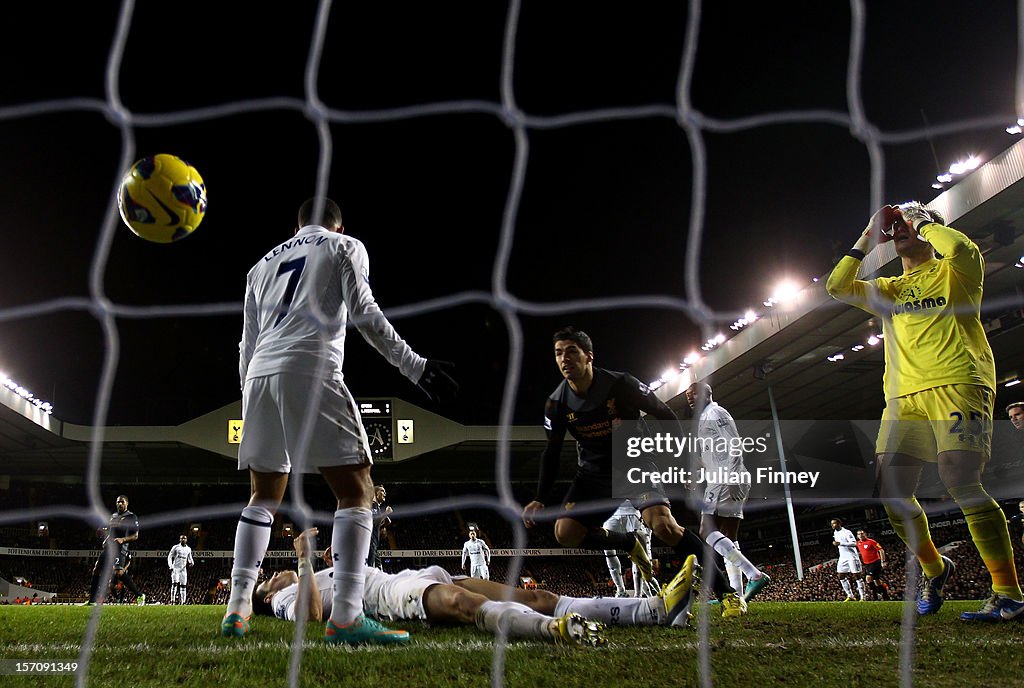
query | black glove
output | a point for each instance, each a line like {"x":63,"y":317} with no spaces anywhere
{"x":437,"y":382}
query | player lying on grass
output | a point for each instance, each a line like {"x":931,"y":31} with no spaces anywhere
{"x":432,"y":595}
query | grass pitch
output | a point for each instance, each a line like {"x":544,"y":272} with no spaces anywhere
{"x":823,"y":645}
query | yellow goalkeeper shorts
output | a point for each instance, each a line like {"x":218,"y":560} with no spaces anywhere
{"x":945,"y":418}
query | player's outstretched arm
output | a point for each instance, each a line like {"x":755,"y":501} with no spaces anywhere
{"x":367,"y":317}
{"x":309,"y":593}
{"x":554,"y":428}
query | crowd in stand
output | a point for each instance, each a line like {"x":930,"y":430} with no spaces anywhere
{"x":572,"y":575}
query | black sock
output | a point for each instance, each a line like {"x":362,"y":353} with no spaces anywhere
{"x":94,"y":587}
{"x":713,"y":573}
{"x":129,"y":583}
{"x":601,"y":539}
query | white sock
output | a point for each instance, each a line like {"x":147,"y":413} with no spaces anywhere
{"x":513,"y":619}
{"x":614,"y":569}
{"x":173,"y":591}
{"x":739,"y":571}
{"x":251,"y":539}
{"x":860,"y":588}
{"x":629,"y":611}
{"x":639,"y":584}
{"x":350,"y":542}
{"x":846,"y":586}
{"x":182,"y":596}
{"x":732,"y":554}
{"x":735,"y":576}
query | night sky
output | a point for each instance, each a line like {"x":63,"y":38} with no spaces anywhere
{"x":605,"y":209}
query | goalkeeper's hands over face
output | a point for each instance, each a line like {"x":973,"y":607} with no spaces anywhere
{"x":882,"y":227}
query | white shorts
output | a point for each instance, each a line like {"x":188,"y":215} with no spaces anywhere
{"x":179,"y":577}
{"x":480,"y":571}
{"x":848,"y":565}
{"x":725,"y":499}
{"x":399,"y":596}
{"x":623,"y":523}
{"x":275,"y":409}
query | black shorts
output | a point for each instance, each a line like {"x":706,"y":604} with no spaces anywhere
{"x":122,"y":558}
{"x":590,"y":502}
{"x":874,"y":569}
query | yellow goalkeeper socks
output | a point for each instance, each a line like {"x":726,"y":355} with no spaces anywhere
{"x":987,"y":524}
{"x":911,"y":524}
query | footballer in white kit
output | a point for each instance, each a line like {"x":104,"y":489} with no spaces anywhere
{"x":388,"y":596}
{"x":723,"y":499}
{"x":479,"y":555}
{"x":300,"y":416}
{"x":849,"y":565}
{"x":328,"y":273}
{"x":492,"y":607}
{"x":726,"y":491}
{"x":178,"y":561}
{"x":627,"y":519}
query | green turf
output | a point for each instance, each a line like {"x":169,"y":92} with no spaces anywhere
{"x":822,"y":645}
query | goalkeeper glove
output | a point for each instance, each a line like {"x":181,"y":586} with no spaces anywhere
{"x":916,"y":214}
{"x":437,"y":382}
{"x":883,"y":224}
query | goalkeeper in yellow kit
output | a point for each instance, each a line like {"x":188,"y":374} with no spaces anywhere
{"x":939,"y":387}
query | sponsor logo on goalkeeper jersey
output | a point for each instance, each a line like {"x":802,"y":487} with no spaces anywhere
{"x":917,"y":305}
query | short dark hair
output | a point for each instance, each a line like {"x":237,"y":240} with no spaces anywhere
{"x":260,"y":607}
{"x":581,"y":338}
{"x":1014,"y":405}
{"x":331,"y":215}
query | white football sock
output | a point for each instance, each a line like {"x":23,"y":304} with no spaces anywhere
{"x":846,"y":586}
{"x":350,"y":542}
{"x":251,"y":539}
{"x":639,"y":584}
{"x":735,"y":576}
{"x":614,"y":569}
{"x":181,"y":592}
{"x":628,"y":611}
{"x":860,"y":589}
{"x":514,"y":619}
{"x":732,"y":554}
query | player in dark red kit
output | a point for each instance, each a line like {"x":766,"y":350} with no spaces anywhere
{"x":590,"y":403}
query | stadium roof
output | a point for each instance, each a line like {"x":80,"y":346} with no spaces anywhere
{"x":36,"y":446}
{"x":789,"y":346}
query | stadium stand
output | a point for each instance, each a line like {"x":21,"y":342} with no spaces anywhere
{"x":766,"y":541}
